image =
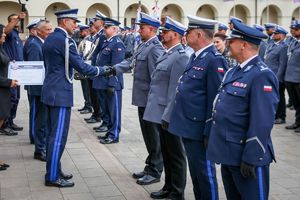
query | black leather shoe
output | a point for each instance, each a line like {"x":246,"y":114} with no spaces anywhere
{"x":101,"y":129}
{"x":60,"y":183}
{"x":293,"y":126}
{"x":108,"y":141}
{"x":65,"y":176}
{"x":96,"y":127}
{"x":8,"y":131}
{"x":100,"y":137}
{"x":147,"y":180}
{"x":15,"y":127}
{"x":138,"y":175}
{"x":289,"y":105}
{"x":40,"y":156}
{"x":93,"y":120}
{"x":161,"y":194}
{"x":85,"y":111}
{"x":279,"y":121}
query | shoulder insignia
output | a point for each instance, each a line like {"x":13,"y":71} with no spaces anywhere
{"x":204,"y":54}
{"x":217,"y":53}
{"x":262,"y":66}
{"x":248,"y":68}
{"x":155,"y":42}
{"x":181,"y":51}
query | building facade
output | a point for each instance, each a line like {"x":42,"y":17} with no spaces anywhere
{"x":250,"y":11}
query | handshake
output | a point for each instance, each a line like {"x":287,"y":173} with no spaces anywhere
{"x":109,"y":71}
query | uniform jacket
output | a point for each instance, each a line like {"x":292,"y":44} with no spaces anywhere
{"x":57,"y":90}
{"x":276,"y":58}
{"x":33,"y":52}
{"x":111,"y":53}
{"x":191,"y":116}
{"x":99,"y":40}
{"x":262,"y":49}
{"x":129,"y":43}
{"x":164,"y":80}
{"x":143,"y":61}
{"x":243,"y":116}
{"x":13,"y":46}
{"x":292,"y":73}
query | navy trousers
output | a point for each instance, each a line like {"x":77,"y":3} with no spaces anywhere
{"x":239,"y":188}
{"x":103,"y":103}
{"x":58,"y":121}
{"x":202,"y":171}
{"x":115,"y":108}
{"x":14,"y":99}
{"x":37,"y":123}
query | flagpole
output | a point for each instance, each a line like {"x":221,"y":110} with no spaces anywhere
{"x":234,"y":8}
{"x":268,"y":12}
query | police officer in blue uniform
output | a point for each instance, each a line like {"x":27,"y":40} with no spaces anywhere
{"x":243,"y":117}
{"x":169,"y":67}
{"x":110,"y":88}
{"x":99,"y":20}
{"x":222,"y":28}
{"x":33,"y":52}
{"x":269,"y":30}
{"x":292,"y":76}
{"x":231,"y":18}
{"x":32,"y":34}
{"x":13,"y":47}
{"x":263,"y":44}
{"x":143,"y":64}
{"x":57,"y":91}
{"x":276,"y":60}
{"x":191,"y":116}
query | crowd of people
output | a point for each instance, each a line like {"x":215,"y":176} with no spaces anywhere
{"x":203,"y":97}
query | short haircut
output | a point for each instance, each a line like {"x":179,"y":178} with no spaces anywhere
{"x":220,"y":35}
{"x":42,"y":23}
{"x":10,"y":16}
{"x":209,"y":33}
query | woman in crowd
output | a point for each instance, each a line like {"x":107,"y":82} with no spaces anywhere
{"x":220,"y":43}
{"x":5,"y":85}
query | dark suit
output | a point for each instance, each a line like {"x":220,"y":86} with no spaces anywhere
{"x":191,"y":116}
{"x":37,"y":120}
{"x":243,"y":117}
{"x":164,"y":80}
{"x":57,"y":94}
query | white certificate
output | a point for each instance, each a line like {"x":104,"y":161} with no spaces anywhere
{"x":27,"y":72}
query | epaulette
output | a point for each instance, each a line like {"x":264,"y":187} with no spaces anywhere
{"x":217,"y":53}
{"x":181,"y":51}
{"x":155,"y":41}
{"x":262,"y":66}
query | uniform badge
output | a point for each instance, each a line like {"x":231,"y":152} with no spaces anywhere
{"x":198,"y":68}
{"x":220,"y":69}
{"x":267,"y":88}
{"x":238,"y":84}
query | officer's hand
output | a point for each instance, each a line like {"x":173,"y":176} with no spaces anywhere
{"x":110,"y":91}
{"x":164,"y":125}
{"x":247,"y":170}
{"x":205,"y":141}
{"x":109,"y":71}
{"x":14,"y":83}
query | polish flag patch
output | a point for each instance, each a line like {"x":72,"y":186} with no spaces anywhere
{"x":220,"y":69}
{"x":267,"y":88}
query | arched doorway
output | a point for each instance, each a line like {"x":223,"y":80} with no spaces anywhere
{"x":270,"y":14}
{"x":91,"y":12}
{"x":172,"y":10}
{"x":207,"y":11}
{"x":130,"y":14}
{"x":296,"y":14}
{"x":7,"y":8}
{"x":241,"y":12}
{"x":51,"y":9}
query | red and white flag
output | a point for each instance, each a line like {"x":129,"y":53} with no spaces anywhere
{"x":267,"y":88}
{"x":220,"y":69}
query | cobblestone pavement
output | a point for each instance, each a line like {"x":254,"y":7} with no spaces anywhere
{"x":103,"y":172}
